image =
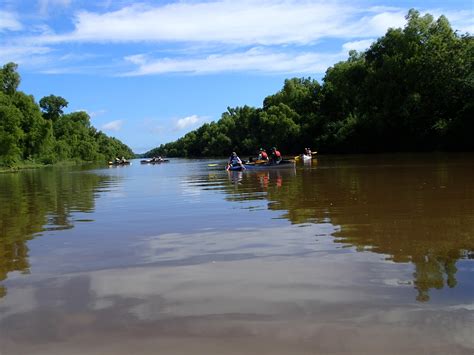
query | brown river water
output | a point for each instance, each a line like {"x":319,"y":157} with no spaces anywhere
{"x":346,"y":255}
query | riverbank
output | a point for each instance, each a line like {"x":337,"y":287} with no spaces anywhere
{"x":34,"y":165}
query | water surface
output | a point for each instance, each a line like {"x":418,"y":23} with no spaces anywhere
{"x":354,"y":254}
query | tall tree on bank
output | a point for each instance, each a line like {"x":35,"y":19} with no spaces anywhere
{"x":9,"y":78}
{"x":52,"y":107}
{"x":412,"y":90}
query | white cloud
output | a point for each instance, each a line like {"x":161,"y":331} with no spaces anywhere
{"x":212,"y":36}
{"x":31,"y":56}
{"x":45,"y":5}
{"x":113,"y":125}
{"x":358,"y":45}
{"x":378,"y":24}
{"x":244,"y":22}
{"x":187,"y":122}
{"x":247,"y":22}
{"x":97,"y":113}
{"x":92,"y":114}
{"x":462,"y":20}
{"x":153,"y":125}
{"x":9,"y":21}
{"x":138,"y":59}
{"x":255,"y":59}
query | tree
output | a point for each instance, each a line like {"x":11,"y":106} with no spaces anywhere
{"x":301,"y":94}
{"x":9,"y":78}
{"x":27,"y":133}
{"x":52,"y":107}
{"x":278,"y":127}
{"x":10,"y":132}
{"x":412,"y":90}
{"x":37,"y":131}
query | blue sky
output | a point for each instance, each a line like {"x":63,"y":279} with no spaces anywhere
{"x":147,"y":72}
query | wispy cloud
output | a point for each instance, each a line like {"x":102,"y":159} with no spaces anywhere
{"x":139,"y":59}
{"x":377,"y":24}
{"x":199,"y":36}
{"x":113,"y":125}
{"x":255,"y":59}
{"x":247,"y":22}
{"x":20,"y":54}
{"x":48,"y":59}
{"x":9,"y":21}
{"x":462,"y":20}
{"x":93,"y":114}
{"x":97,"y":113}
{"x":154,"y":126}
{"x":187,"y":122}
{"x":45,"y":5}
{"x":358,"y":45}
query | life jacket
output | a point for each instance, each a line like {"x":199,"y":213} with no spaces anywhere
{"x":277,"y":154}
{"x":264,"y":155}
{"x":234,"y":160}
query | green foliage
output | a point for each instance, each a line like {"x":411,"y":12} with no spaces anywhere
{"x":10,"y":131}
{"x":277,"y":125}
{"x":28,"y":134}
{"x":52,"y":107}
{"x":9,"y":78}
{"x":37,"y":137}
{"x":412,"y":90}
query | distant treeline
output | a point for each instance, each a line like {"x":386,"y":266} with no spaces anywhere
{"x":42,"y":133}
{"x":412,"y":90}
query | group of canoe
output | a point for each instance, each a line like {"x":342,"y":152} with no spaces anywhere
{"x":263,"y":164}
{"x":250,"y":165}
{"x":306,"y":157}
{"x":153,"y":160}
{"x":119,"y":161}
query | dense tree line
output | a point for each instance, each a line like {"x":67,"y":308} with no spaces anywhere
{"x":412,"y":90}
{"x":42,"y":133}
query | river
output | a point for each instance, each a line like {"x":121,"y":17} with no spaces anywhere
{"x":346,"y":255}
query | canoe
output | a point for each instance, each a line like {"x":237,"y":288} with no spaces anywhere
{"x":235,"y":168}
{"x":149,"y":161}
{"x":306,"y":157}
{"x":116,"y":163}
{"x":284,"y":164}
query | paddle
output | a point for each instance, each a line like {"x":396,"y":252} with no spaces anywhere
{"x":212,"y":164}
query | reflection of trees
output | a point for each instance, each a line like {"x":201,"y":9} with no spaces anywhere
{"x":420,"y":213}
{"x":429,"y":273}
{"x":256,"y":185}
{"x":31,"y":201}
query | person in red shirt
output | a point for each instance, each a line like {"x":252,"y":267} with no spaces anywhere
{"x":262,"y":155}
{"x":276,"y":156}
